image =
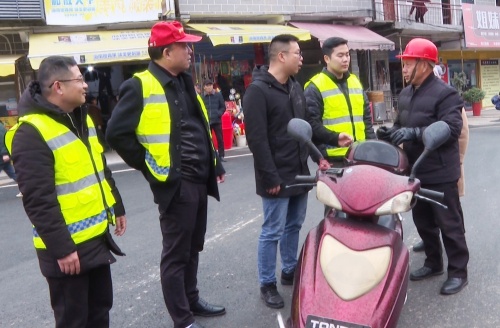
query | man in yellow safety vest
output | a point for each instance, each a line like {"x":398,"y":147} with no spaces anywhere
{"x":69,"y":194}
{"x":337,"y":107}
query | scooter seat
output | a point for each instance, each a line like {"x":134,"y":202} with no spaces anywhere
{"x":387,"y":221}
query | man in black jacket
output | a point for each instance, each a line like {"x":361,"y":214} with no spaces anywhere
{"x":337,"y":107}
{"x":271,"y":101}
{"x":63,"y":179}
{"x":160,"y":127}
{"x":215,"y":105}
{"x":424,"y":101}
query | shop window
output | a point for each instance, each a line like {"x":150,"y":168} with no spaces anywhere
{"x":471,"y":1}
{"x":498,"y":3}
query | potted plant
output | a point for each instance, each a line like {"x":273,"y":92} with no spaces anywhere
{"x":474,"y":96}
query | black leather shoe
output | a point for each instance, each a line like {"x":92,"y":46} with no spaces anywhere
{"x":202,"y":308}
{"x":270,"y":295}
{"x":424,"y":273}
{"x":196,"y":325}
{"x":419,"y":247}
{"x":453,"y":285}
{"x":287,"y":278}
{"x":222,"y":159}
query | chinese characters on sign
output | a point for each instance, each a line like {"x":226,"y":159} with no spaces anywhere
{"x":482,"y":26}
{"x":90,"y":12}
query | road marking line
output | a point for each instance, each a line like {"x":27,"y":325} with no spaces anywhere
{"x":229,"y":231}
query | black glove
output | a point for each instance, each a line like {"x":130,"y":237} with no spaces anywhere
{"x":384,"y":133}
{"x":405,"y":134}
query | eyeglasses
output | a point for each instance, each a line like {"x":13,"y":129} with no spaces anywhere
{"x":79,"y":79}
{"x":295,"y":53}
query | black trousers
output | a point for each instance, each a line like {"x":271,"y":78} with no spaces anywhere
{"x":82,"y":301}
{"x":217,"y":127}
{"x":183,"y":226}
{"x":432,"y":219}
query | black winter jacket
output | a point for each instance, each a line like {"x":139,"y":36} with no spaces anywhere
{"x":315,"y":109}
{"x":34,"y":162}
{"x":215,"y":105}
{"x":278,"y":158}
{"x":433,"y":101}
{"x":120,"y":134}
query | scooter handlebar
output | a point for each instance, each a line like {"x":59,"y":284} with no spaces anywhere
{"x":305,"y":179}
{"x":436,"y":195}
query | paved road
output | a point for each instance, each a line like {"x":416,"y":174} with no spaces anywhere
{"x":228,"y":272}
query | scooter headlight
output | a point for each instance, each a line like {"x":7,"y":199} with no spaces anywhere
{"x":350,"y":273}
{"x":397,"y":204}
{"x":325,"y":195}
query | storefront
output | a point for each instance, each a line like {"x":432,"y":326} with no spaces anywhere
{"x":8,"y":90}
{"x":229,"y":52}
{"x":480,"y":55}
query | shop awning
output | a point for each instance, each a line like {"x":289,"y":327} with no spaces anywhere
{"x":247,"y":33}
{"x":7,"y":64}
{"x":358,"y":37}
{"x":93,"y":47}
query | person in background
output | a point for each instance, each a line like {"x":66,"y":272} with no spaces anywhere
{"x":69,"y":194}
{"x":6,"y":163}
{"x":95,"y":114}
{"x":424,"y":101}
{"x":160,"y":127}
{"x":495,"y":100}
{"x":420,"y":9}
{"x":216,"y":106}
{"x":438,"y":71}
{"x":273,"y":98}
{"x":337,"y":107}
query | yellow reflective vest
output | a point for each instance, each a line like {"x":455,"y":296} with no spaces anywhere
{"x":153,"y":130}
{"x":336,"y":114}
{"x":83,"y":193}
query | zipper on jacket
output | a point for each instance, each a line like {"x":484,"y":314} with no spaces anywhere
{"x":109,"y":215}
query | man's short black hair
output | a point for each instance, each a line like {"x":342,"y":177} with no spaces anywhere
{"x":280,"y":43}
{"x":332,"y":43}
{"x":54,"y":68}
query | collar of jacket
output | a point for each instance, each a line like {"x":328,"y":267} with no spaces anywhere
{"x":334,"y":78}
{"x":162,"y":75}
{"x":426,"y":81}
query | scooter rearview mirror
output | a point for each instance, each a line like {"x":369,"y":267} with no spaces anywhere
{"x":301,"y":131}
{"x":434,"y":136}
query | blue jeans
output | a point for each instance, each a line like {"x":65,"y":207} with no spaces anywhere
{"x":9,"y":170}
{"x":283,"y":218}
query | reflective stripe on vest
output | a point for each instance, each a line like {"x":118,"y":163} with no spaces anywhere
{"x":83,"y":193}
{"x":153,"y":130}
{"x":336,"y":114}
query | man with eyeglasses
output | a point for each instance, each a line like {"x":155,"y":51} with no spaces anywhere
{"x":160,"y":126}
{"x":337,"y":107}
{"x":272,"y":99}
{"x":70,"y":196}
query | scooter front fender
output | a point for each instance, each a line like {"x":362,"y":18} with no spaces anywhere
{"x":379,"y":307}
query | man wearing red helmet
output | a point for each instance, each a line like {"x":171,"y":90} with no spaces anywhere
{"x":424,"y":101}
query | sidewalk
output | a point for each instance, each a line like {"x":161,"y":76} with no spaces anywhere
{"x":489,"y":117}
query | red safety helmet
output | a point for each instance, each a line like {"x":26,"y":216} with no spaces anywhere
{"x":419,"y":48}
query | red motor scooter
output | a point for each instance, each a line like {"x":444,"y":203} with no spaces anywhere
{"x":353,"y":268}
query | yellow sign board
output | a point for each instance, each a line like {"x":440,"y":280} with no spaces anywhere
{"x":7,"y":64}
{"x":91,"y":47}
{"x":247,"y":33}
